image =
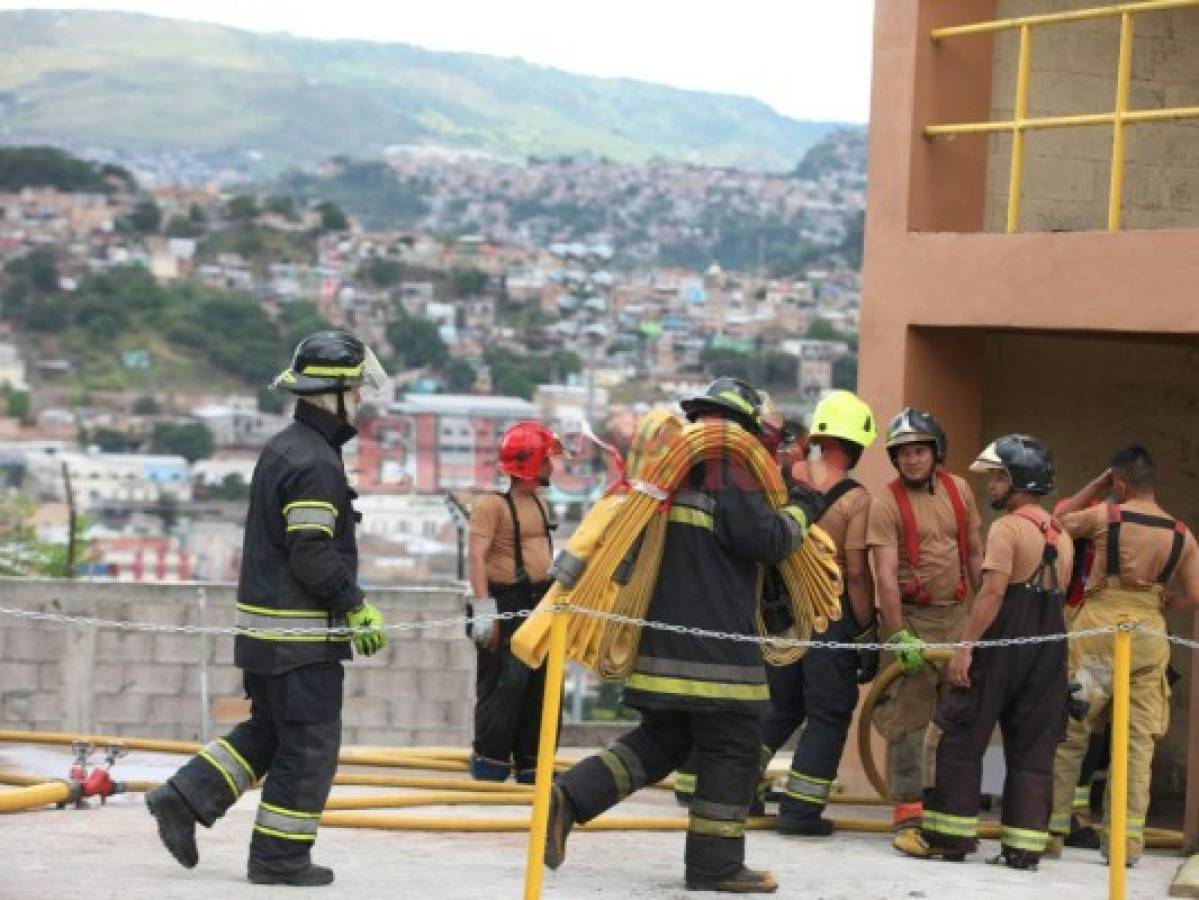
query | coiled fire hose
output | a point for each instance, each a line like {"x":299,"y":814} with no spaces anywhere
{"x":665,"y":451}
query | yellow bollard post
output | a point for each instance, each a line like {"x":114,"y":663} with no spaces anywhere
{"x":545,"y":754}
{"x":1117,"y":847}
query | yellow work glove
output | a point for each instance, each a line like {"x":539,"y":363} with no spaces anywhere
{"x":367,"y":622}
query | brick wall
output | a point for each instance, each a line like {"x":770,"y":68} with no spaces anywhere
{"x":1073,"y":70}
{"x":419,"y":691}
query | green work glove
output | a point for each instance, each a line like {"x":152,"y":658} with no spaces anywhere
{"x":910,"y":657}
{"x":371,"y":641}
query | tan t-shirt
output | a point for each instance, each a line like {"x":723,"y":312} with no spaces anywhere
{"x":940,"y":569}
{"x":491,"y":519}
{"x":1144,"y":550}
{"x":1015,"y":547}
{"x":845,"y":522}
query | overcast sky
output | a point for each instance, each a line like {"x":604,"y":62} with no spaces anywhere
{"x":807,"y":59}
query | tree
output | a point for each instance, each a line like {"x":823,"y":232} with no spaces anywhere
{"x":232,"y":488}
{"x":468,"y":282}
{"x":180,"y":227}
{"x":300,"y":319}
{"x":167,"y":509}
{"x":191,"y":440}
{"x":145,"y":217}
{"x":243,"y":208}
{"x":16,"y":403}
{"x":418,"y":341}
{"x":845,"y":372}
{"x":270,"y":401}
{"x":460,"y":375}
{"x":822,"y":330}
{"x":145,"y":405}
{"x":332,"y":217}
{"x":112,"y":441}
{"x":281,"y":205}
{"x":382,"y":273}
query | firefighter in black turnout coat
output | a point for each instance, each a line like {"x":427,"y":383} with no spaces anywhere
{"x":692,"y":692}
{"x":299,"y":571}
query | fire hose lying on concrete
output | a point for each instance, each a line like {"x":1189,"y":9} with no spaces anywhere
{"x":34,"y":792}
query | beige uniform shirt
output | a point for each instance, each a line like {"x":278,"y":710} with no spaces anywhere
{"x":940,"y":569}
{"x":845,"y":522}
{"x":1015,"y":547}
{"x":1143,"y":550}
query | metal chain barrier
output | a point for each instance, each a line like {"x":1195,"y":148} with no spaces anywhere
{"x":463,"y":620}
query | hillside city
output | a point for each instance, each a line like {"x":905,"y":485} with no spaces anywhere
{"x":143,"y":316}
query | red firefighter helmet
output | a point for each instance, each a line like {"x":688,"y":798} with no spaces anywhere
{"x":524,"y":447}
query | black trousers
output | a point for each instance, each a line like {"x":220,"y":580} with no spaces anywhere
{"x":508,"y":701}
{"x":293,"y":736}
{"x":1023,"y":689}
{"x":818,"y":692}
{"x":727,"y":746}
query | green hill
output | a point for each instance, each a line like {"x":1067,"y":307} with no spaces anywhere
{"x":140,"y":82}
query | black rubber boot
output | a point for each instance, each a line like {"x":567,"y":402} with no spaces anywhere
{"x":176,"y":823}
{"x":1083,"y":836}
{"x":805,"y":826}
{"x":1016,"y":859}
{"x":561,"y":821}
{"x":313,"y":876}
{"x":745,"y":881}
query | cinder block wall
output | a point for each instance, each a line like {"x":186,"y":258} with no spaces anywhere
{"x":1073,"y":71}
{"x":419,"y":691}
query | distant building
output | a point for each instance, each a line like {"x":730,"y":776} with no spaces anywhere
{"x":434,"y":442}
{"x":100,"y":478}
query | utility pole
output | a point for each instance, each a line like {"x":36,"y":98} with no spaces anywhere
{"x":66,"y":480}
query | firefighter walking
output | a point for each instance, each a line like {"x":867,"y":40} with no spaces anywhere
{"x":693,"y":692}
{"x":926,"y":553}
{"x":1022,"y":687}
{"x":510,"y":551}
{"x":299,"y":571}
{"x":1139,"y":550}
{"x":820,"y":691}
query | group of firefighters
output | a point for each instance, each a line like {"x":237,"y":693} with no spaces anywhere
{"x":916,"y":571}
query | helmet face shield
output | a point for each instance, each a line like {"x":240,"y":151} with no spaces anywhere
{"x":374,"y":379}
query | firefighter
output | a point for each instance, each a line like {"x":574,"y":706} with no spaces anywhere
{"x":509,"y":557}
{"x":1139,"y":551}
{"x":820,"y":691}
{"x":926,"y":553}
{"x":692,"y":692}
{"x":1022,"y":688}
{"x":299,"y":570}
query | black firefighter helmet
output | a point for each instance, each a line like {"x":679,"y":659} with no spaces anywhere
{"x":331,"y":362}
{"x":915,"y":426}
{"x":729,"y":397}
{"x":1027,"y":463}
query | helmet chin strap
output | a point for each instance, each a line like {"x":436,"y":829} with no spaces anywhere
{"x":1001,"y":504}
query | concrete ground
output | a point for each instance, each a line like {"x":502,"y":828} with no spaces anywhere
{"x":114,"y":852}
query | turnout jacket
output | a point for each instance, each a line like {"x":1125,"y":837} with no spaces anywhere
{"x":720,"y":529}
{"x":299,"y":565}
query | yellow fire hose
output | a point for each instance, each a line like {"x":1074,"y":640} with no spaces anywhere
{"x":23,"y":798}
{"x":429,"y":798}
{"x":444,"y":759}
{"x":885,"y":679}
{"x":1154,"y":838}
{"x":608,"y":535}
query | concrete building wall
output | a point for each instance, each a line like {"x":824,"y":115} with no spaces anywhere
{"x":1103,"y":381}
{"x":1067,"y":171}
{"x":419,"y":691}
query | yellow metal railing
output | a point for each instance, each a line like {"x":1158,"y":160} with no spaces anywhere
{"x":1020,"y":124}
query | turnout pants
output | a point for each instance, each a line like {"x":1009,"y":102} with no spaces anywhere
{"x":818,"y":692}
{"x":508,"y":700}
{"x":727,"y":746}
{"x":906,"y":709}
{"x":293,"y":735}
{"x":1021,"y":688}
{"x":1149,"y":706}
{"x":508,"y":694}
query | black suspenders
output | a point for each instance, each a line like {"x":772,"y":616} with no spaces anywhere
{"x":522,"y":576}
